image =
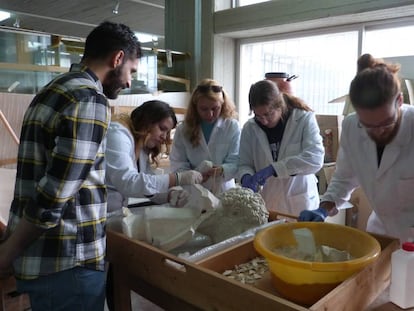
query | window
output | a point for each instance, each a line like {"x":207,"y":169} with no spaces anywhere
{"x":326,"y":62}
{"x":325,"y":65}
{"x":389,"y":42}
{"x":398,"y":49}
{"x":248,"y":2}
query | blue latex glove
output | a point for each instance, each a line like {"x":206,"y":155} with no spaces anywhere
{"x":248,"y":181}
{"x":264,"y":174}
{"x":314,"y":215}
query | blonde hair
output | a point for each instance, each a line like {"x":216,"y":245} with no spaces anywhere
{"x":192,"y":120}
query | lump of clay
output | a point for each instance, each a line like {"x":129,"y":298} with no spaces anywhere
{"x":240,"y":209}
{"x":201,"y":199}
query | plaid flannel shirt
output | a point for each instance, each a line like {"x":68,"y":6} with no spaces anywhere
{"x":60,"y":182}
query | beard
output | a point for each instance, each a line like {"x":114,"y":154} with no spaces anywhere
{"x":385,"y":138}
{"x":113,"y":84}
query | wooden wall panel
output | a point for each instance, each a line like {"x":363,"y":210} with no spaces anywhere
{"x":13,"y":107}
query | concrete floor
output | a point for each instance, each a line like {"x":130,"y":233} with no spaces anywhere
{"x":139,"y":303}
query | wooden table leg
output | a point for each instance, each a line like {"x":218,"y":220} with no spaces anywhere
{"x":122,"y":294}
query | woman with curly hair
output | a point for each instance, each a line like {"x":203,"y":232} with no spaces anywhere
{"x":133,"y":144}
{"x":208,"y":139}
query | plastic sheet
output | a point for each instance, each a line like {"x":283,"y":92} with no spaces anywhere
{"x":213,"y":249}
{"x":166,"y":227}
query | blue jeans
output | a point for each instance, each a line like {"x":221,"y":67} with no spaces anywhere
{"x":77,"y":289}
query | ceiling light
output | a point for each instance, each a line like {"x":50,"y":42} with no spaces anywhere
{"x":144,"y":37}
{"x":116,"y":8}
{"x":4,"y":15}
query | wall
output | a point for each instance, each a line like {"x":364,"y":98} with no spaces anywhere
{"x":287,"y":16}
{"x":14,"y":106}
{"x":407,"y":65}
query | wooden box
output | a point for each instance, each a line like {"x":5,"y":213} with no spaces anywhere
{"x":176,"y":284}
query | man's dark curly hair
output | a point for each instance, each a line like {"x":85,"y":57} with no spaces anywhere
{"x":109,"y":37}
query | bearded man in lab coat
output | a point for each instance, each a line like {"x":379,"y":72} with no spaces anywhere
{"x":376,"y":153}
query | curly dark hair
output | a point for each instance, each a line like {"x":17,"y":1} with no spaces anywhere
{"x":109,"y":37}
{"x":141,"y":120}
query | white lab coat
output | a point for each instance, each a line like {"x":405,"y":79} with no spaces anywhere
{"x":222,"y":149}
{"x":390,"y":187}
{"x":300,"y":156}
{"x":123,"y":178}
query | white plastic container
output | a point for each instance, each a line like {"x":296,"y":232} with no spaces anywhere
{"x":402,"y":276}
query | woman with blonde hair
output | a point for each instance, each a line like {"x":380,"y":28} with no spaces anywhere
{"x":133,"y":145}
{"x":208,"y":139}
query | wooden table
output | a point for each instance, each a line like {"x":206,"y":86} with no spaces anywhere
{"x":176,"y":284}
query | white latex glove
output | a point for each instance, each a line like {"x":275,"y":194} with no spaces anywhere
{"x":189,"y":178}
{"x":177,"y":196}
{"x":204,"y":166}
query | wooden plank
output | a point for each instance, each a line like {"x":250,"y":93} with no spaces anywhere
{"x":359,"y":291}
{"x":228,"y":258}
{"x":30,"y":67}
{"x":4,"y":162}
{"x":128,"y":109}
{"x":186,"y":82}
{"x":9,"y":128}
{"x":122,"y":297}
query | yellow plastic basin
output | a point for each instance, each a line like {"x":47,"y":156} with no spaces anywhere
{"x":305,"y":282}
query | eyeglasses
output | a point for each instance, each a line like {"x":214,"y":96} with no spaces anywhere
{"x":382,"y":127}
{"x":206,"y":88}
{"x":268,"y":116}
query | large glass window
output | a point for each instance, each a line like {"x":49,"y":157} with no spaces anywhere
{"x":325,"y":65}
{"x":397,"y":49}
{"x":389,"y":42}
{"x":248,"y":2}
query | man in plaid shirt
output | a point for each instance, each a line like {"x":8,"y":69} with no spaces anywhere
{"x":56,"y":232}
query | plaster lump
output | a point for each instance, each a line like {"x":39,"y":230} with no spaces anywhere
{"x":240,"y":209}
